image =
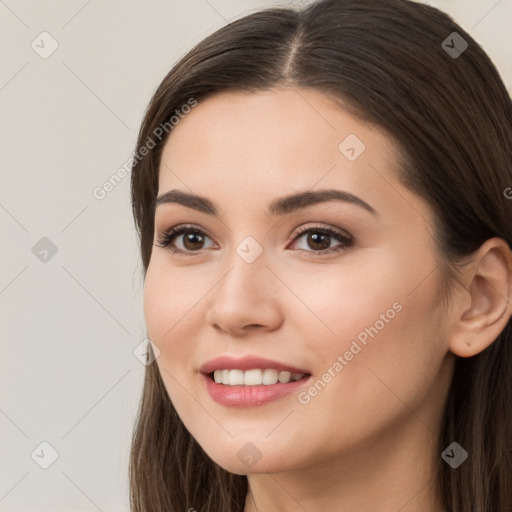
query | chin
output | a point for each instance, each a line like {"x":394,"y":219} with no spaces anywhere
{"x":249,"y":460}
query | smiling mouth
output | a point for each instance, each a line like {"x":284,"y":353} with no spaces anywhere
{"x":255,"y":377}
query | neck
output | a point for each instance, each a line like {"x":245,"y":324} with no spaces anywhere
{"x":396,"y":473}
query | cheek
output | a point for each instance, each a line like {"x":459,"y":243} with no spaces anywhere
{"x":155,"y":304}
{"x":168,"y":313}
{"x":381,"y":326}
{"x":392,"y":356}
{"x":169,"y":301}
{"x":336,"y":303}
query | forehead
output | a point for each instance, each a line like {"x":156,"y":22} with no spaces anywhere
{"x":272,"y":125}
{"x":237,"y":147}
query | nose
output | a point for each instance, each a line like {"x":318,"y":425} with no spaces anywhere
{"x":245,"y":299}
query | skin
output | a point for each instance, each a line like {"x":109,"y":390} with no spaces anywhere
{"x":367,"y":441}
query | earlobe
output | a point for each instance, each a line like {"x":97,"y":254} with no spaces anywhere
{"x":488,"y":292}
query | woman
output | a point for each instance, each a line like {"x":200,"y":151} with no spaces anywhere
{"x":323,"y":203}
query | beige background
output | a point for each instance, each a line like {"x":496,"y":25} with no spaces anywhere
{"x":70,"y":323}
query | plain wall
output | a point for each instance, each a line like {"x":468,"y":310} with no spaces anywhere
{"x":71,"y":319}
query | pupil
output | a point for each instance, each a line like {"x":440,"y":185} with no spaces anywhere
{"x":314,"y":238}
{"x":190,"y":238}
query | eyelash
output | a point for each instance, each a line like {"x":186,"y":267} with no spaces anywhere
{"x":167,"y":237}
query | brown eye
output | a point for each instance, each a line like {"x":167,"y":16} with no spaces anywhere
{"x":191,"y":239}
{"x":319,"y":239}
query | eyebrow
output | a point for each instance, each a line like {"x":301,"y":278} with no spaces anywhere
{"x":278,"y":207}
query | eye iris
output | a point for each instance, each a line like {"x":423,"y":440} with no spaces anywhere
{"x":191,"y":237}
{"x":315,"y":237}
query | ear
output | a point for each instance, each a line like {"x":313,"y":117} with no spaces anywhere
{"x":484,"y":307}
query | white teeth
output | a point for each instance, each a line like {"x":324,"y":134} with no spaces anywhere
{"x":255,"y":377}
{"x":236,"y":377}
{"x":285,"y":377}
{"x":251,"y":378}
{"x":270,"y":376}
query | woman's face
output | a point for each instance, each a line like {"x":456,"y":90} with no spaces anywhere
{"x":355,"y":310}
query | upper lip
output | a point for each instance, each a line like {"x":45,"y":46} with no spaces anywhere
{"x":247,"y":363}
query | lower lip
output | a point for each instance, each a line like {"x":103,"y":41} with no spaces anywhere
{"x":249,"y":396}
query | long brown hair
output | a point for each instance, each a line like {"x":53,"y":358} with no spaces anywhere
{"x":392,"y":63}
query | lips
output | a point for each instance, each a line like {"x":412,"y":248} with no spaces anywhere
{"x":250,"y":394}
{"x":248,"y":363}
